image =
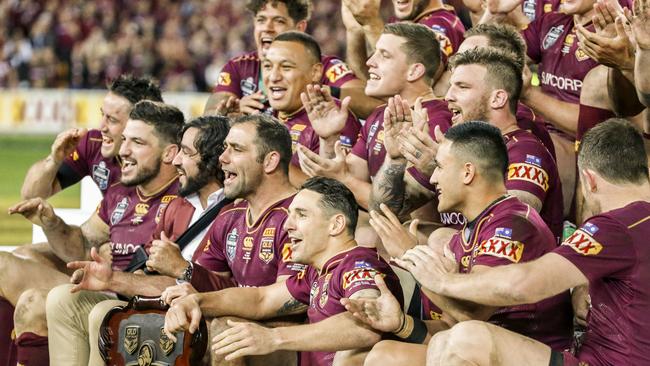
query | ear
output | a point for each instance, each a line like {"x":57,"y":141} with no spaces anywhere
{"x":271,"y":162}
{"x":499,"y":99}
{"x":589,"y":180}
{"x":316,"y":73}
{"x":469,"y":173}
{"x":415,"y":72}
{"x":169,"y":153}
{"x":301,"y":25}
{"x":338,"y":224}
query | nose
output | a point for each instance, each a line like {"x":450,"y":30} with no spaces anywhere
{"x":449,"y":97}
{"x":371,"y":60}
{"x":224,"y":158}
{"x":434,"y":177}
{"x":288,"y":224}
{"x":178,"y":159}
{"x":275,"y":74}
{"x":125,"y":149}
{"x":103,"y":124}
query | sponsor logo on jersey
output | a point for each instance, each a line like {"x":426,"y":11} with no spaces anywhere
{"x":552,"y":36}
{"x":560,"y":82}
{"x":322,"y":299}
{"x":581,"y":55}
{"x":120,"y":209}
{"x":345,"y":141}
{"x":529,"y":173}
{"x":101,"y":175}
{"x":231,"y":244}
{"x":360,"y":276}
{"x":568,"y":42}
{"x":503,"y":232}
{"x":267,"y":249}
{"x":247,"y":248}
{"x":465,"y":261}
{"x":529,"y":9}
{"x":441,"y":35}
{"x":534,"y":160}
{"x":337,"y":71}
{"x":141,"y":210}
{"x":269,"y":231}
{"x":362,"y":264}
{"x":168,"y":198}
{"x":503,"y":248}
{"x":208,"y":243}
{"x":286,"y":252}
{"x":452,"y":218}
{"x":312,"y":294}
{"x":224,"y":79}
{"x":373,"y":130}
{"x":548,"y":8}
{"x":583,"y":242}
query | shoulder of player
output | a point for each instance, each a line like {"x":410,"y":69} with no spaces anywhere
{"x":525,"y":142}
{"x":516,"y":215}
{"x":362,"y":257}
{"x":329,"y":60}
{"x":621,"y":219}
{"x":246,"y":57}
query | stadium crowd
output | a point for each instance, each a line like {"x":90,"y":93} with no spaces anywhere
{"x":415,"y":200}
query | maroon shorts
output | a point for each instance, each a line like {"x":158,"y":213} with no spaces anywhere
{"x":564,"y":358}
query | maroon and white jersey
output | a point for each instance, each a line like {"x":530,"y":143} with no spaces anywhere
{"x":242,"y":75}
{"x":132,"y":217}
{"x":531,"y":168}
{"x":370,"y":146}
{"x":256,"y":253}
{"x":341,"y":276}
{"x":507,"y":232}
{"x":534,"y":9}
{"x":611,"y":249}
{"x":87,"y":160}
{"x":302,"y":132}
{"x":449,"y":29}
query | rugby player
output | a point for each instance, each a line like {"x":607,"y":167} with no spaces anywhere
{"x":125,"y":218}
{"x":76,"y":318}
{"x":321,"y":223}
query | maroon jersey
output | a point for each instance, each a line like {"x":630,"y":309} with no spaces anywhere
{"x":87,"y":159}
{"x":341,"y":276}
{"x":370,"y":146}
{"x":534,"y":9}
{"x":132,"y":217}
{"x":242,"y":75}
{"x":255,"y":253}
{"x":532,"y":169}
{"x":535,"y":124}
{"x":552,"y":43}
{"x":611,"y":250}
{"x":507,"y":232}
{"x":449,"y":29}
{"x":302,"y":133}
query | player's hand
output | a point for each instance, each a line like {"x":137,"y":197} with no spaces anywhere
{"x":227,"y":107}
{"x":420,"y":149}
{"x":38,"y":211}
{"x":364,"y":11}
{"x":93,"y":275}
{"x":605,"y":12}
{"x":65,"y":143}
{"x":612,"y":51}
{"x":327,"y":119}
{"x":502,"y":6}
{"x":252,"y":104}
{"x":395,"y":237}
{"x":105,"y":251}
{"x":382,"y":313}
{"x":165,"y":257}
{"x":183,"y":314}
{"x":313,"y":164}
{"x":638,"y":24}
{"x":397,"y":120}
{"x":427,"y":266}
{"x":244,"y":339}
{"x":350,"y":24}
{"x":172,"y":293}
{"x":581,"y":302}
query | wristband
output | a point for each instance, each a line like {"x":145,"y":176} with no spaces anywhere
{"x":187,"y":273}
{"x":335,"y":91}
{"x":413,"y":330}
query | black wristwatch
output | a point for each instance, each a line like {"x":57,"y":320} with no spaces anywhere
{"x":187,"y":273}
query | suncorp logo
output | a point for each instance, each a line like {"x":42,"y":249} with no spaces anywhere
{"x":561,"y":82}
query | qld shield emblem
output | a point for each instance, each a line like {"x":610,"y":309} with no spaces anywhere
{"x":267,"y":251}
{"x":131,"y":338}
{"x":552,"y":36}
{"x":166,"y":344}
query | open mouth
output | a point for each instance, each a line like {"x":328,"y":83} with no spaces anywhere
{"x":373,"y":76}
{"x":456,"y":115}
{"x":229,"y":177}
{"x":128,"y":165}
{"x":402,"y":5}
{"x":277,"y":92}
{"x":265,"y":41}
{"x":295,"y":242}
{"x":107,"y":140}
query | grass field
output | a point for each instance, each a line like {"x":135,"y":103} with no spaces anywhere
{"x":17,"y":154}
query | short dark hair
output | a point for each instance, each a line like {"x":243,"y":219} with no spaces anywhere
{"x":272,"y":135}
{"x":298,"y":9}
{"x":166,"y":119}
{"x":305,"y":40}
{"x":501,"y":36}
{"x":504,"y":70}
{"x":209,"y":142}
{"x":335,"y":197}
{"x":421,"y":45}
{"x":615,"y":150}
{"x":483,"y":144}
{"x":135,"y":89}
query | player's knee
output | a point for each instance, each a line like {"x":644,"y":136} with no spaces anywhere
{"x":468,"y":341}
{"x":382,"y":353}
{"x":58,"y":299}
{"x":29,"y":314}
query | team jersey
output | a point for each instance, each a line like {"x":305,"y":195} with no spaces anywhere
{"x":255,"y":253}
{"x":342,"y":275}
{"x":506,"y":232}
{"x":611,"y":250}
{"x":449,"y":29}
{"x":532,"y":169}
{"x":370,"y":146}
{"x":87,"y":160}
{"x":535,"y":124}
{"x":132,"y":217}
{"x":242,"y":75}
{"x":302,"y":132}
{"x":534,"y":9}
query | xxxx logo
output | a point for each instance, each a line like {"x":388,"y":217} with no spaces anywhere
{"x":529,"y":173}
{"x":503,"y":248}
{"x":583,"y":243}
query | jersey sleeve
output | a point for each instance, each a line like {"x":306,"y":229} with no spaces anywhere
{"x":600,"y":247}
{"x":213,"y":257}
{"x":528,"y":170}
{"x":439,"y":116}
{"x":309,"y":139}
{"x":360,"y":147}
{"x":507,"y":241}
{"x":76,"y":165}
{"x":336,"y":73}
{"x":531,"y":35}
{"x":229,"y":80}
{"x":351,"y":131}
{"x":102,"y":211}
{"x":299,"y":285}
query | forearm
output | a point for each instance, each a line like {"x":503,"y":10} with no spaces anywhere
{"x":356,"y":53}
{"x":66,"y":241}
{"x":459,"y":310}
{"x":40,"y":180}
{"x":228,"y":302}
{"x":563,"y":115}
{"x":641,"y":76}
{"x":361,"y":189}
{"x":130,"y":284}
{"x":388,"y":186}
{"x":361,"y":104}
{"x":336,"y":333}
{"x":622,"y":93}
{"x":372,"y":32}
{"x":326,"y":146}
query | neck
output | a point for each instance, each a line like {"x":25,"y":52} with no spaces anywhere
{"x":481,"y":199}
{"x":271,"y":190}
{"x":617,"y":196}
{"x":335,"y":246}
{"x":505,"y":121}
{"x":164,"y":177}
{"x":206,"y":191}
{"x":411,"y":94}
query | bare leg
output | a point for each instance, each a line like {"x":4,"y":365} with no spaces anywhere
{"x":397,"y":353}
{"x":20,"y":274}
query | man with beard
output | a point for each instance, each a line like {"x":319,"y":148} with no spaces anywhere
{"x":125,"y":218}
{"x":76,"y":315}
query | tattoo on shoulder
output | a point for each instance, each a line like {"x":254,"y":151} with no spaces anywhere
{"x":292,"y":306}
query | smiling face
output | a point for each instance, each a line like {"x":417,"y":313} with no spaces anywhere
{"x":115,"y":112}
{"x":287,"y":69}
{"x":448,"y":179}
{"x":141,"y":153}
{"x":468,"y":96}
{"x":409,"y":9}
{"x":387,"y":68}
{"x":239,"y":162}
{"x":188,"y":165}
{"x":269,"y":22}
{"x":308,"y":226}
